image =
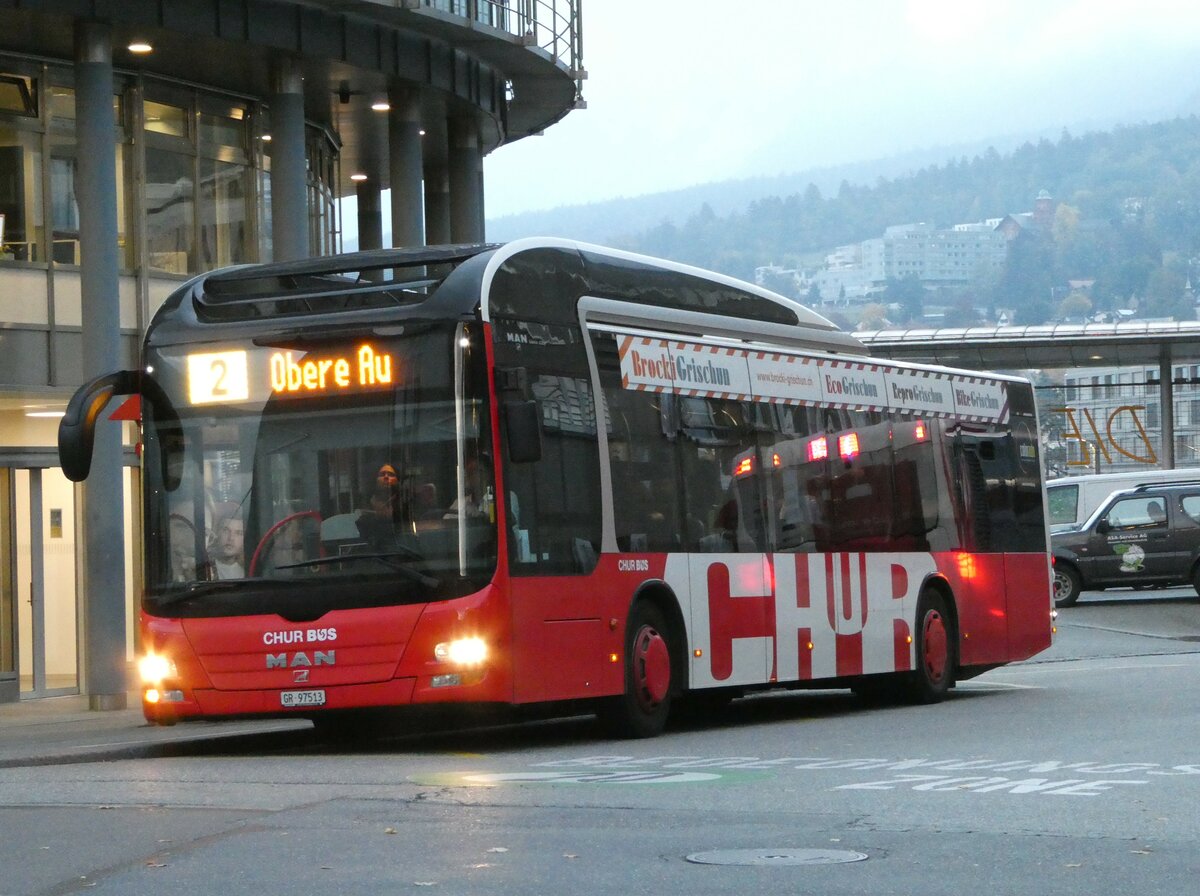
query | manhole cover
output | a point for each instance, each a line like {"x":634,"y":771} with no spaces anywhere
{"x":776,"y":857}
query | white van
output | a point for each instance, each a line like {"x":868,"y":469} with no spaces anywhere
{"x":1072,"y":499}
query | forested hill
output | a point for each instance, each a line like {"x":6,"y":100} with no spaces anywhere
{"x":1132,"y":198}
{"x":1145,"y":177}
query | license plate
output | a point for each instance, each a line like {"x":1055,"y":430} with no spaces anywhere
{"x":302,"y":698}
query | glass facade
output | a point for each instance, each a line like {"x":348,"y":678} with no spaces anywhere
{"x":193,"y":192}
{"x":193,"y":175}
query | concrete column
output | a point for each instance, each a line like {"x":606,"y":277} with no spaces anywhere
{"x":466,"y":182}
{"x":1166,"y":407}
{"x":437,"y":205}
{"x":103,"y":586}
{"x":289,"y":189}
{"x":370,"y":214}
{"x":404,"y":164}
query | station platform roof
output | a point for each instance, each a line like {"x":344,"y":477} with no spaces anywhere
{"x":1042,"y":346}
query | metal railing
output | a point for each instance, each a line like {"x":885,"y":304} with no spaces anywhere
{"x":554,"y":26}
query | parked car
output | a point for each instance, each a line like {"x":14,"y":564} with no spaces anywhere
{"x":1071,"y":500}
{"x":1147,"y":536}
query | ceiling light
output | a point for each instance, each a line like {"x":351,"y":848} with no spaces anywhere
{"x":359,"y":177}
{"x":140,"y":46}
{"x":266,"y":138}
{"x":45,"y":413}
{"x":421,"y":132}
{"x":381,"y":106}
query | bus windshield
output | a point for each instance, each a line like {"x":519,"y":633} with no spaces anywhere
{"x":341,"y":472}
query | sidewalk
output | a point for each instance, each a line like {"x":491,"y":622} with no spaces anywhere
{"x":57,"y":730}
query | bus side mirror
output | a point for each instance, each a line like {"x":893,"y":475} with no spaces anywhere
{"x":77,"y":429}
{"x":523,"y":427}
{"x":1103,"y":527}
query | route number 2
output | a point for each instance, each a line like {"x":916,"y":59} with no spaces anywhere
{"x":218,"y":377}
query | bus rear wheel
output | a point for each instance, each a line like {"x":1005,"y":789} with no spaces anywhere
{"x":936,"y":651}
{"x":643,"y":709}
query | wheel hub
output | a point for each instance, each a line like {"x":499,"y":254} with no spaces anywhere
{"x":652,"y":666}
{"x":936,"y":646}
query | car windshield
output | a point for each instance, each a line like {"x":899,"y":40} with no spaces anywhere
{"x":349,"y":460}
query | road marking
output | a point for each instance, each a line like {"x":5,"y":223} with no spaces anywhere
{"x":997,"y":686}
{"x":494,"y":779}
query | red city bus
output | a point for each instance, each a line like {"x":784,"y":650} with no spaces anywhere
{"x":547,"y":471}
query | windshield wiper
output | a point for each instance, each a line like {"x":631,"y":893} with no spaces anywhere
{"x":204,"y":589}
{"x":389,"y":558}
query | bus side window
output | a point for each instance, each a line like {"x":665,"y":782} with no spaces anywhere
{"x":553,"y":504}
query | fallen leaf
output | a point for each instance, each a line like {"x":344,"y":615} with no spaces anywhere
{"x":424,"y":883}
{"x":570,"y":855}
{"x":156,"y":864}
{"x":1073,"y":865}
{"x":482,"y":865}
{"x":1140,"y":852}
{"x":498,"y":849}
{"x":389,"y":830}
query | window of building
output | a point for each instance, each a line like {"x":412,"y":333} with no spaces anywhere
{"x":22,"y":224}
{"x":162,"y":118}
{"x":18,"y":95}
{"x":64,"y":173}
{"x":224,"y":129}
{"x":170,"y":210}
{"x":224,"y":230}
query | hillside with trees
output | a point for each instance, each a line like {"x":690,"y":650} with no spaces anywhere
{"x":1127,"y":217}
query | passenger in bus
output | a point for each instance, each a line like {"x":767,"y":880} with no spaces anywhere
{"x":228,"y":549}
{"x":287,"y":547}
{"x":387,"y":483}
{"x":183,"y":549}
{"x":377,"y":523}
{"x":476,"y":494}
{"x":387,"y":477}
{"x":724,"y":536}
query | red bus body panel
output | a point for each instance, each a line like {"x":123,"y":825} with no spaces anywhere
{"x":750,"y":619}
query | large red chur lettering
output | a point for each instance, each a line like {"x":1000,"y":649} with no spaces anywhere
{"x":732,"y":617}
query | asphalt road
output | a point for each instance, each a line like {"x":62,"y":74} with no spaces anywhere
{"x":1078,"y":772}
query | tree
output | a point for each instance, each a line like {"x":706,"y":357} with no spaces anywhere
{"x":874,"y":317}
{"x":1075,"y":305}
{"x":908,"y":293}
{"x":782,"y":282}
{"x":1165,"y":296}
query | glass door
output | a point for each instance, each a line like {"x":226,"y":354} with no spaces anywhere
{"x":9,"y":689}
{"x":42,"y":517}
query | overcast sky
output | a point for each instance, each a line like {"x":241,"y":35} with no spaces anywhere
{"x":682,"y":92}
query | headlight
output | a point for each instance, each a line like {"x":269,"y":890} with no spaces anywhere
{"x":155,"y":668}
{"x":463,"y":652}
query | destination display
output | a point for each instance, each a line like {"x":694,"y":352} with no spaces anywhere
{"x":697,"y":369}
{"x":240,"y":375}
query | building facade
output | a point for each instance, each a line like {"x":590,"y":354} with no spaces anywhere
{"x":142,"y":142}
{"x":1111,"y":419}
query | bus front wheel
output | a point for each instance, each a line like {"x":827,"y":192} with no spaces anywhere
{"x":643,"y":709}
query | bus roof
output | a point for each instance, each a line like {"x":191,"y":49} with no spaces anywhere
{"x":537,"y":279}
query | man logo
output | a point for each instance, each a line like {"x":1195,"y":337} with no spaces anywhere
{"x":301,"y":660}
